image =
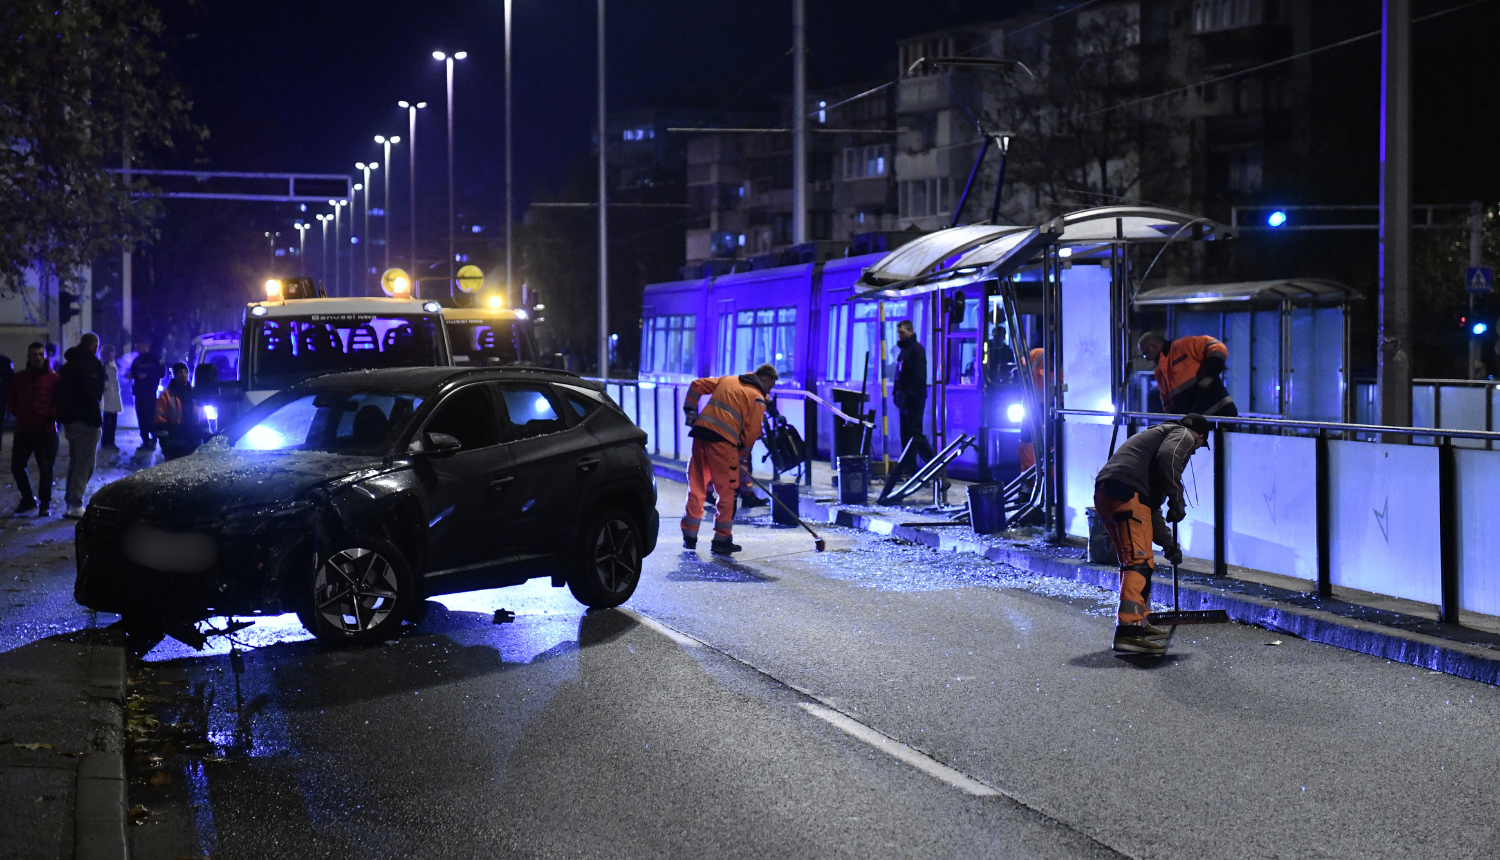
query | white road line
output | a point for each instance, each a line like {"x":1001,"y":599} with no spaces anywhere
{"x":893,"y":747}
{"x":681,"y":639}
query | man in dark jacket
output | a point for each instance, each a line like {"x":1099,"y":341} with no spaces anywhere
{"x":145,"y":375}
{"x":80,"y":387}
{"x":31,"y":401}
{"x":1128,"y":492}
{"x":177,"y":423}
{"x":909,"y":392}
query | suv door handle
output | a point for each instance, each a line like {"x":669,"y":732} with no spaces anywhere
{"x":588,"y":464}
{"x":502,"y":482}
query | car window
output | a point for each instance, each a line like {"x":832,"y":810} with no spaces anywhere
{"x":363,"y":422}
{"x":530,"y":411}
{"x":580,"y":405}
{"x":467,"y":415}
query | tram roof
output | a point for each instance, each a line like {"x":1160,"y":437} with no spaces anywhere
{"x":1296,"y":290}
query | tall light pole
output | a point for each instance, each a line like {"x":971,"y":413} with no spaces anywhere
{"x":603,"y":218}
{"x":323,"y":219}
{"x":799,"y":121}
{"x":452,"y":230}
{"x":385,"y":197}
{"x":411,"y":149}
{"x":515,"y":299}
{"x":337,"y":223}
{"x":1393,"y":368}
{"x":353,"y":239}
{"x":302,"y":246}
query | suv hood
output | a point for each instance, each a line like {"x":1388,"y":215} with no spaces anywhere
{"x":215,"y":480}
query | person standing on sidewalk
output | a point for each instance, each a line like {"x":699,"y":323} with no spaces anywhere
{"x":1128,"y":492}
{"x":112,"y":403}
{"x":31,"y":401}
{"x":726,"y":428}
{"x":177,"y":416}
{"x":80,"y":387}
{"x":145,"y":375}
{"x":909,"y":392}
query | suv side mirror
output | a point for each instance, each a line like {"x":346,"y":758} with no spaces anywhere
{"x":440,"y":444}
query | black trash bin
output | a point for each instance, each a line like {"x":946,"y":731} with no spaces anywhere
{"x":854,"y":480}
{"x":784,"y":493}
{"x":987,"y":508}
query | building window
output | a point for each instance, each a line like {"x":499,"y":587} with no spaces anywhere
{"x":1213,"y":15}
{"x":864,"y":162}
{"x":643,"y":133}
{"x":921,"y":198}
{"x":1245,"y":172}
{"x":669,"y":344}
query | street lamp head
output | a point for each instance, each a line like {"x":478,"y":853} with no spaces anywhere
{"x":403,"y":104}
{"x":343,"y":202}
{"x":421,"y":104}
{"x":333,"y":203}
{"x":439,"y":55}
{"x":461,"y":55}
{"x":359,"y":186}
{"x":380,"y":138}
{"x":374,"y":165}
{"x":359,"y":165}
{"x":395,"y":139}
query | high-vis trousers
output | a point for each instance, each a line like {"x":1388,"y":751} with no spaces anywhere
{"x":1129,"y":527}
{"x":716,"y":463}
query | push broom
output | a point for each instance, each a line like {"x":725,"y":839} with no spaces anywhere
{"x":1177,"y":616}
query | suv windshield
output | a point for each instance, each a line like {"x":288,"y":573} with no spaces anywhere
{"x":490,"y":342}
{"x":287,"y":349}
{"x":362,"y":422}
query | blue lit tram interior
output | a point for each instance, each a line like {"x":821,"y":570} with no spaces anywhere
{"x":805,"y":320}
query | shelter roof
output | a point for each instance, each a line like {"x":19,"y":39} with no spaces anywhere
{"x":1297,"y":290}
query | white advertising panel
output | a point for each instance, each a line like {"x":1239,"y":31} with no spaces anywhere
{"x":1271,"y":507}
{"x":1478,"y":476}
{"x":1384,"y":518}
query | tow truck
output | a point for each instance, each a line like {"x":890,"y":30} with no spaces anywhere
{"x":490,"y":335}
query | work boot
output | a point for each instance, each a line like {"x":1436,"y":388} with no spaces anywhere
{"x":25,"y":507}
{"x":752,"y":501}
{"x":1154,"y":632}
{"x":724,"y":547}
{"x":43,"y":512}
{"x":689,"y":541}
{"x":1133,"y":639}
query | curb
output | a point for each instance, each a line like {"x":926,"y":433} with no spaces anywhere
{"x":99,"y":809}
{"x":1454,"y":650}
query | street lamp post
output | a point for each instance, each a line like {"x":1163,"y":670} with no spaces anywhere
{"x":603,"y":218}
{"x":337,"y":224}
{"x":411,"y":149}
{"x":448,"y":61}
{"x":353,"y":239}
{"x":385,"y":197}
{"x":323,"y":219}
{"x":302,"y":247}
{"x":515,"y":299}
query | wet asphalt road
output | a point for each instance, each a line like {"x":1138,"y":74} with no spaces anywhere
{"x":566,"y":734}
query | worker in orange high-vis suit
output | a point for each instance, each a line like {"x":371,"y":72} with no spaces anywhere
{"x":1026,"y":449}
{"x":723,"y":432}
{"x":1188,"y":372}
{"x":1144,"y":472}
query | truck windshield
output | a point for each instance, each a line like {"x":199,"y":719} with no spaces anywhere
{"x":287,"y":349}
{"x":490,"y":343}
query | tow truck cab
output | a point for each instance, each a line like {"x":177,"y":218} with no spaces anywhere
{"x":218,"y":348}
{"x":490,"y":337}
{"x":288,"y":338}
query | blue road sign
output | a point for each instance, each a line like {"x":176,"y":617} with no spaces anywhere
{"x":1479,"y":279}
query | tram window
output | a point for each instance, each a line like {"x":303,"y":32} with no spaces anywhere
{"x":762,"y":336}
{"x":963,"y":360}
{"x":971,"y":316}
{"x":838,"y":341}
{"x":668,"y":344}
{"x":726,"y":343}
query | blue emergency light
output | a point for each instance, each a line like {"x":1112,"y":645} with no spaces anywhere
{"x":1276,"y":219}
{"x":1480,"y":328}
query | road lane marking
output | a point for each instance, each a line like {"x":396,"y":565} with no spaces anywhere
{"x":898,"y":750}
{"x":680,"y":638}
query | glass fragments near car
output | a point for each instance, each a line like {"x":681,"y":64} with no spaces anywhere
{"x":334,"y":422}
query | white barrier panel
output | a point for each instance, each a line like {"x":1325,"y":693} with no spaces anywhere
{"x":1196,"y":531}
{"x":1384,"y":518}
{"x":648,"y":420}
{"x":1478,"y":474}
{"x":1085,"y":448}
{"x":1271,"y":505}
{"x":1461,"y":407}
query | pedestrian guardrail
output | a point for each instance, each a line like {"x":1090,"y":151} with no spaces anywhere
{"x":1350,"y":505}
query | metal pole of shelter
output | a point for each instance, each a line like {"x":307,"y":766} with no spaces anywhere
{"x":603,"y":215}
{"x":799,"y":121}
{"x":1394,"y":353}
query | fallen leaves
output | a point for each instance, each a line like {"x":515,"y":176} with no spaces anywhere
{"x":35,"y":746}
{"x":160,"y":778}
{"x":139,"y":814}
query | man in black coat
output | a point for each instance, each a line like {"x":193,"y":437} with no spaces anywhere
{"x":145,"y":375}
{"x":79,"y":389}
{"x":909,"y":392}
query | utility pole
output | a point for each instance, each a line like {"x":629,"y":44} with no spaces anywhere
{"x":603,"y":217}
{"x":511,"y":294}
{"x":127,"y":321}
{"x":1476,"y":258}
{"x":799,"y":121}
{"x":1394,"y":355}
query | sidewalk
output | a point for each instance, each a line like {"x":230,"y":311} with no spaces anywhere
{"x":1395,"y":630}
{"x":62,"y":691}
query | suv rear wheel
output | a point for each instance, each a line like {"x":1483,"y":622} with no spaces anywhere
{"x":359,"y":594}
{"x":609,"y":564}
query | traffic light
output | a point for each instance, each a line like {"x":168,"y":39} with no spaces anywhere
{"x":67,"y":306}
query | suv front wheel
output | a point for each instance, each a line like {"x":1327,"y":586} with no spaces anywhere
{"x":609,"y":564}
{"x":359,"y":594}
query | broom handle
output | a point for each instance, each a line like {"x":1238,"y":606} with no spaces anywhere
{"x":1175,"y":607}
{"x":783,"y":506}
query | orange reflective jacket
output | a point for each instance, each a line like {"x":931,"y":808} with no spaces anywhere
{"x":1178,"y":365}
{"x":735,"y":408}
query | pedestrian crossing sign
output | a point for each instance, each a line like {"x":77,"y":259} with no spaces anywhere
{"x":1480,"y":279}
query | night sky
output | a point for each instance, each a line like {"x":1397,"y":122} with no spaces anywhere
{"x":297,"y":86}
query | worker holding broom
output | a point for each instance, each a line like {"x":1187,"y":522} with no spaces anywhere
{"x":723,"y":432}
{"x":1128,"y":493}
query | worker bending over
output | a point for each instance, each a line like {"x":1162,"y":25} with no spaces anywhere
{"x":723,"y":433}
{"x":1128,"y":493}
{"x":1188,"y":372}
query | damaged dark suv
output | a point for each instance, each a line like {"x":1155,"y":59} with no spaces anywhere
{"x":352,"y":497}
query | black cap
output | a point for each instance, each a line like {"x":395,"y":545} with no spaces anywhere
{"x":1198,"y":424}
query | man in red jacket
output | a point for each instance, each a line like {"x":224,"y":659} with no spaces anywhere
{"x":31,"y":401}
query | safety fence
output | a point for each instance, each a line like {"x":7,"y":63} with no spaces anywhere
{"x":1441,"y":404}
{"x":1349,"y":505}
